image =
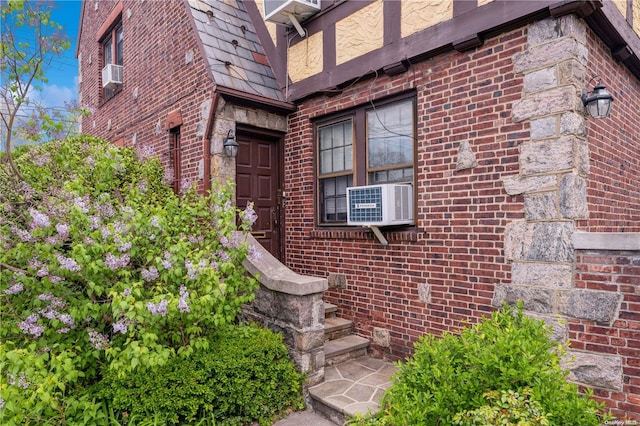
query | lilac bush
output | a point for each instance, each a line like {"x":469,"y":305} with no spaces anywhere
{"x":103,"y":267}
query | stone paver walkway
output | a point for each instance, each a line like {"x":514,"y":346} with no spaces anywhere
{"x":355,"y":386}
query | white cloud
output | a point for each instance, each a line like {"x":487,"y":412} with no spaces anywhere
{"x":53,"y":95}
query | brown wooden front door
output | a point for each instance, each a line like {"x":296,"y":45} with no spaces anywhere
{"x":258,"y":181}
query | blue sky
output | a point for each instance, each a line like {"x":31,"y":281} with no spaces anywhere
{"x":63,"y":73}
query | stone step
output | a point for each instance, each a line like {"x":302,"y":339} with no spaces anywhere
{"x":344,"y":349}
{"x":354,"y":386}
{"x":330,"y":310}
{"x":335,"y":328}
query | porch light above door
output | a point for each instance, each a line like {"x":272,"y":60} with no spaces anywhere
{"x":598,"y":101}
{"x":230,"y":145}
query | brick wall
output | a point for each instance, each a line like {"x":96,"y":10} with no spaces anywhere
{"x":617,"y":271}
{"x":613,"y":195}
{"x":454,"y":256}
{"x":160,"y":73}
{"x":614,"y":144}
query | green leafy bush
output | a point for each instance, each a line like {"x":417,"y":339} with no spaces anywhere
{"x":507,"y":352}
{"x":103,"y":267}
{"x":245,"y":376}
{"x":505,"y":408}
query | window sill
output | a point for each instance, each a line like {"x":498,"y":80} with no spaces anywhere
{"x":357,"y":233}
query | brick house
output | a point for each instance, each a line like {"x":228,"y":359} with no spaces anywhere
{"x":516,"y":193}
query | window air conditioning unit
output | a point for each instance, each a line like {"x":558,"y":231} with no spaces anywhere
{"x":290,"y":12}
{"x":380,"y":205}
{"x":111,"y":76}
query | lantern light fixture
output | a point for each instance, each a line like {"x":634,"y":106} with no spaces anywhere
{"x":598,"y":101}
{"x":230,"y":145}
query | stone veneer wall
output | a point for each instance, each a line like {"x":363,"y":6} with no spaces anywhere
{"x":554,"y":168}
{"x":227,"y":117}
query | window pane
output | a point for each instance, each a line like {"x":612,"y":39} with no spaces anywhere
{"x":333,"y":203}
{"x":392,"y":175}
{"x":325,"y":162}
{"x":390,"y":135}
{"x":119,"y":39}
{"x":106,"y":48}
{"x":336,"y":151}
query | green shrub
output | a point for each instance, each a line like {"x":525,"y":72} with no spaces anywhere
{"x":245,"y":376}
{"x":103,"y":267}
{"x":507,"y":352}
{"x":505,"y":408}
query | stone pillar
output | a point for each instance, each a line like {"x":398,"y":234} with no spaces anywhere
{"x":554,"y":165}
{"x":290,"y":304}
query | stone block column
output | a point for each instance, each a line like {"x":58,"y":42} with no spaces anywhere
{"x":290,"y":304}
{"x":554,"y":166}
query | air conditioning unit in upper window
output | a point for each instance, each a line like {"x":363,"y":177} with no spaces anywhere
{"x":111,"y":76}
{"x":280,"y":11}
{"x":380,"y":205}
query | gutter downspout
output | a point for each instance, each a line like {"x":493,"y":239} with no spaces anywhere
{"x":206,"y":182}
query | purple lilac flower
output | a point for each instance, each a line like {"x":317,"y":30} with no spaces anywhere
{"x":82,"y":203}
{"x":97,"y":340}
{"x":124,"y":247}
{"x":91,"y":162}
{"x":54,"y":301}
{"x":126,"y":292}
{"x":150,"y":274}
{"x":55,"y":279}
{"x":192,"y":272}
{"x":186,"y":184}
{"x":63,"y":230}
{"x":63,"y":330}
{"x":144,"y":152}
{"x":230,"y":243}
{"x":105,"y":234}
{"x":254,"y":253}
{"x":42,"y":160}
{"x":88,"y":241}
{"x":112,"y":262}
{"x":155,"y":222}
{"x":121,"y":326}
{"x":27,"y":191}
{"x":168,"y":176}
{"x":1,"y":403}
{"x":224,"y":256}
{"x":11,"y":379}
{"x":14,"y":289}
{"x":52,"y":240}
{"x":30,"y":325}
{"x":249,"y":215}
{"x":40,"y":220}
{"x":23,"y":382}
{"x":119,"y":227}
{"x":158,"y":308}
{"x":67,"y":320}
{"x":106,"y":210}
{"x":24,"y":235}
{"x":68,"y":263}
{"x":95,"y":222}
{"x":193,"y":239}
{"x":183,"y":306}
{"x":142,"y":186}
{"x":166,"y":262}
{"x":48,"y":313}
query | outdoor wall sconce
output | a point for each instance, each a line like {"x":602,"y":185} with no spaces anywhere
{"x":230,"y":145}
{"x":598,"y":101}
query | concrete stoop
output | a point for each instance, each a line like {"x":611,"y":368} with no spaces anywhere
{"x":351,"y":387}
{"x":353,"y":382}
